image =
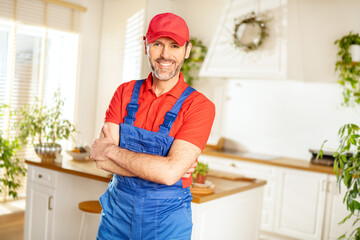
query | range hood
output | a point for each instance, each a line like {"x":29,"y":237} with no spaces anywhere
{"x":268,"y":61}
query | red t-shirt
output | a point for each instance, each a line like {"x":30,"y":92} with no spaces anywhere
{"x":193,"y":123}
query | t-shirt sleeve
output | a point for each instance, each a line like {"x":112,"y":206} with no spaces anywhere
{"x":197,"y":123}
{"x":113,"y":113}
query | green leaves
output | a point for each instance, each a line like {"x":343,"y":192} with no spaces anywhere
{"x":349,"y":72}
{"x":10,"y":165}
{"x":193,"y":62}
{"x":201,"y":169}
{"x":347,"y":170}
{"x":43,"y":124}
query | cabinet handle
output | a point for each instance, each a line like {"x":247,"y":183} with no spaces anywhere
{"x":40,"y":176}
{"x":323,"y":185}
{"x":233,"y":165}
{"x":333,"y":188}
{"x":49,"y":202}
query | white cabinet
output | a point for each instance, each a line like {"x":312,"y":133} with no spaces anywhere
{"x":300,"y":204}
{"x":40,"y":204}
{"x":335,"y":212}
{"x":297,"y":204}
{"x":52,"y":205}
{"x":232,"y":217}
{"x":267,"y":173}
{"x":40,"y":217}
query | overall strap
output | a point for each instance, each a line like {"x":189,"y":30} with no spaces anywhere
{"x":171,"y":115}
{"x":133,"y":105}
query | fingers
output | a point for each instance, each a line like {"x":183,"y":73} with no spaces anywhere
{"x":106,"y":131}
{"x":186,"y":175}
{"x":190,"y":170}
{"x":92,"y":150}
{"x":99,"y":164}
{"x":194,"y":164}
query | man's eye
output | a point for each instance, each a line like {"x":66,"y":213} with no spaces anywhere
{"x":175,"y":46}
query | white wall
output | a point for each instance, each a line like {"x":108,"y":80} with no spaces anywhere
{"x":287,"y":117}
{"x":115,"y":14}
{"x":276,"y":117}
{"x":88,"y":70}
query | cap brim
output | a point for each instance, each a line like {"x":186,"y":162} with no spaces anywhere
{"x":181,"y":41}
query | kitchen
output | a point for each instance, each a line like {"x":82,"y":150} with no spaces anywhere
{"x":282,"y":101}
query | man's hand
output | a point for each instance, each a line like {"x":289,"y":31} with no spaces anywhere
{"x":102,"y":146}
{"x":190,"y":171}
{"x":106,"y":165}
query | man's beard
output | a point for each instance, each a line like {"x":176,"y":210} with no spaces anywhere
{"x":165,"y":75}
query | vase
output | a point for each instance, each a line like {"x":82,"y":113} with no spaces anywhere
{"x":200,"y":178}
{"x":47,"y":152}
{"x":354,"y":51}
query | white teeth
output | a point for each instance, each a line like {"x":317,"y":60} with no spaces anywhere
{"x":165,"y":64}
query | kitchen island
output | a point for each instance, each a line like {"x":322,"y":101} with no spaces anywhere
{"x":54,"y":190}
{"x":301,"y":199}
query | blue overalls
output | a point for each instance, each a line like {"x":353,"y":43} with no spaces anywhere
{"x":134,"y":208}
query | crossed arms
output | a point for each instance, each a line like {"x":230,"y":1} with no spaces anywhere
{"x":107,"y":155}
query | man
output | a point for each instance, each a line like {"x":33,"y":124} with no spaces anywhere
{"x":154,"y":131}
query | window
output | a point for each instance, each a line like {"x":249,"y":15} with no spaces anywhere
{"x":38,"y":55}
{"x":134,"y":46}
{"x":36,"y":61}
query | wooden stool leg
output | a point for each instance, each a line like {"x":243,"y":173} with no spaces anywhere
{"x":81,"y":225}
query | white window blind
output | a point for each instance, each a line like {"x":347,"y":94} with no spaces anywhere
{"x":7,"y":9}
{"x":54,"y":14}
{"x":3,"y":71}
{"x":134,"y":46}
{"x":38,"y":55}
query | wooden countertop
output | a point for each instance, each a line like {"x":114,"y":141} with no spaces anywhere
{"x":225,"y":187}
{"x":84,"y":168}
{"x":87,"y":169}
{"x":279,"y":162}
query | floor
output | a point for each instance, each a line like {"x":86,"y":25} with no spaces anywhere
{"x":12,"y":220}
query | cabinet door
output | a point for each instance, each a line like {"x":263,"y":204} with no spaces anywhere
{"x":39,"y":212}
{"x":255,"y":170}
{"x":336,"y":211}
{"x":301,"y":204}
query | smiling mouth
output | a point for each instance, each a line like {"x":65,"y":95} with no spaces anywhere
{"x":165,"y":65}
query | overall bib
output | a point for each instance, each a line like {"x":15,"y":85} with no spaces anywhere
{"x":134,"y":208}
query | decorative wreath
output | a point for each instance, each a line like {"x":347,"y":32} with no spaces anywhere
{"x":251,"y":18}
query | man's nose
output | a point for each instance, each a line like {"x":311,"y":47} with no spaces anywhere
{"x":165,"y":52}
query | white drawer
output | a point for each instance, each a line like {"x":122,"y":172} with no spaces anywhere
{"x":250,"y":169}
{"x":42,"y":176}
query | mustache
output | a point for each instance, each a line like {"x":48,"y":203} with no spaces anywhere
{"x":161,"y":59}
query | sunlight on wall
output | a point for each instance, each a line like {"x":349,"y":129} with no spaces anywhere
{"x":133,"y":50}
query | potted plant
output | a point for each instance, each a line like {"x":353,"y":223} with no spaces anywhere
{"x":200,"y":173}
{"x":353,"y":40}
{"x":10,"y":166}
{"x":349,"y":70}
{"x":45,"y":127}
{"x":194,"y":61}
{"x":347,"y":166}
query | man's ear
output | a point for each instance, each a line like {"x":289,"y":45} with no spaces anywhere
{"x":188,"y":50}
{"x":145,"y":47}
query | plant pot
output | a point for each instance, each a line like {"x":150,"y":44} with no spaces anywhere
{"x":47,"y":152}
{"x":354,"y":51}
{"x":200,"y":178}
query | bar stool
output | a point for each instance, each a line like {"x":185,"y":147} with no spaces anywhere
{"x":88,"y":207}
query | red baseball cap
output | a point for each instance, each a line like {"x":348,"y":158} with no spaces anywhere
{"x":168,"y":25}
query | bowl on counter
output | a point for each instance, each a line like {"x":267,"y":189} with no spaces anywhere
{"x":78,"y":155}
